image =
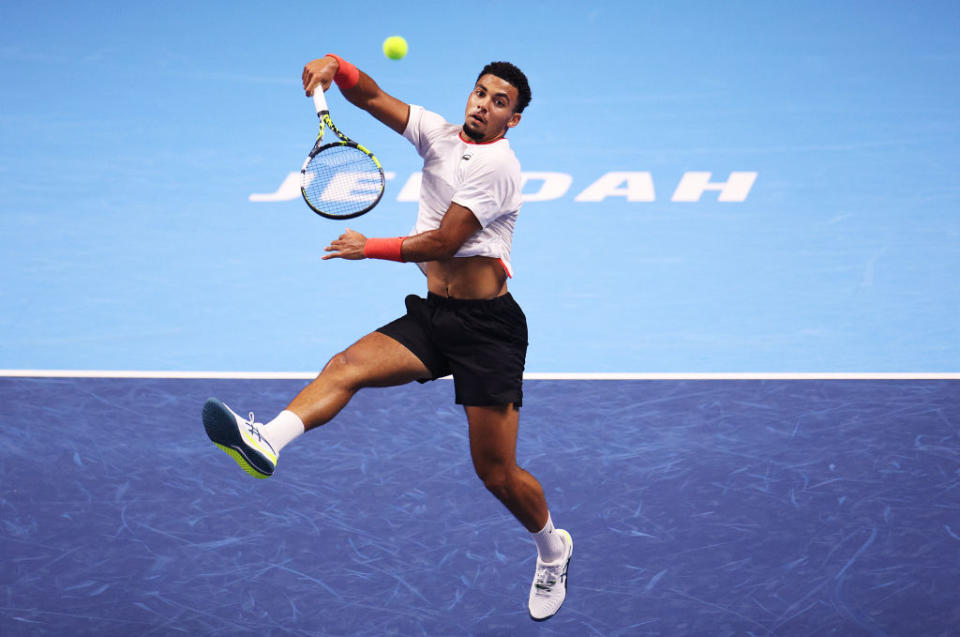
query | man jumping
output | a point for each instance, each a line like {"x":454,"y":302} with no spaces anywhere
{"x":468,"y":325}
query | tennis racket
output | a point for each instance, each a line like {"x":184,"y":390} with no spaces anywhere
{"x":341,"y":179}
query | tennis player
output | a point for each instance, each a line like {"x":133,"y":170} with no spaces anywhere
{"x":468,"y":325}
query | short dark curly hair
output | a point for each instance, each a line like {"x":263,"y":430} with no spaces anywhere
{"x":515,"y":77}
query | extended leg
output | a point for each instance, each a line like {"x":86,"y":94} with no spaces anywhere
{"x":376,"y":360}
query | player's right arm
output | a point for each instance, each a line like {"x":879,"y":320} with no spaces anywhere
{"x":365,"y":94}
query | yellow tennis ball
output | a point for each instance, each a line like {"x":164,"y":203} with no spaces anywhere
{"x":395,"y":47}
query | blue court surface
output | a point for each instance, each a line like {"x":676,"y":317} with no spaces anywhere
{"x":697,"y":508}
{"x":738,"y":257}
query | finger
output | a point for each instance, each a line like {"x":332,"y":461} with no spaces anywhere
{"x":311,"y":81}
{"x":306,"y":76}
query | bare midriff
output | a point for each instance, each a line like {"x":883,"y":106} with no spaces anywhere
{"x":467,"y":278}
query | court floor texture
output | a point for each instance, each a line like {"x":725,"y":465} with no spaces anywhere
{"x":761,"y":191}
{"x":697,"y":507}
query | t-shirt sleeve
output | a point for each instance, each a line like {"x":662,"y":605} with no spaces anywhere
{"x":420,"y":126}
{"x":489,"y":189}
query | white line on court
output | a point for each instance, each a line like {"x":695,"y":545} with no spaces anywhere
{"x":97,"y":373}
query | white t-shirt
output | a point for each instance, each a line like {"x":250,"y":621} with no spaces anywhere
{"x":485,"y":178}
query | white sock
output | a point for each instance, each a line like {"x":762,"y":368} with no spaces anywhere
{"x":282,"y":429}
{"x":549,"y":543}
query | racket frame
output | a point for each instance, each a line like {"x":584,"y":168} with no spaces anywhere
{"x":323,"y":114}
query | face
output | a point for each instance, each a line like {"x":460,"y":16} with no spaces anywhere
{"x":490,"y":109}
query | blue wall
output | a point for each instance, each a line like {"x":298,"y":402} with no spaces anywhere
{"x":134,"y":137}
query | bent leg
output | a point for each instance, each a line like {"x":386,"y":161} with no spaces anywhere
{"x":376,"y":360}
{"x":493,"y":447}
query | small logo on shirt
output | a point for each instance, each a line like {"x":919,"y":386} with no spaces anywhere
{"x":467,"y":156}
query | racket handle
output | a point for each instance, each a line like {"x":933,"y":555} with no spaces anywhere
{"x":320,"y":100}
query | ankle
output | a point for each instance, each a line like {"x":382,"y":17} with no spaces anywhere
{"x":280,"y":431}
{"x":549,"y":543}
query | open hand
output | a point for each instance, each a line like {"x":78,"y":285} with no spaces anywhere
{"x":349,"y":245}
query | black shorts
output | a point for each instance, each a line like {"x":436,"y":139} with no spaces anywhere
{"x":483,"y":343}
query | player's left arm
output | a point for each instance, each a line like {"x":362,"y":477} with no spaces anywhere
{"x":457,"y":225}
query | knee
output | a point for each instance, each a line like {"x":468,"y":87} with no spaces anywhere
{"x":498,"y":479}
{"x":336,"y":363}
{"x":339,"y":369}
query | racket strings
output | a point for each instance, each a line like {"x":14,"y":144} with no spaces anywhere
{"x":341,"y":180}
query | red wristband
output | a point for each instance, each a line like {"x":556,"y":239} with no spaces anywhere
{"x":347,"y":74}
{"x":387,"y":249}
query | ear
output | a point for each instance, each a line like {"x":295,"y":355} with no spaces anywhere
{"x":514,"y":120}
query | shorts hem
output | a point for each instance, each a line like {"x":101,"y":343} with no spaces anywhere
{"x":492,"y":401}
{"x":409,"y":347}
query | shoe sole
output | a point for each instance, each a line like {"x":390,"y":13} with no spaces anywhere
{"x":221,"y":427}
{"x":566,"y":579}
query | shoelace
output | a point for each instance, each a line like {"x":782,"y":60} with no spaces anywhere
{"x":251,"y":426}
{"x":545,"y":581}
{"x":255,"y":431}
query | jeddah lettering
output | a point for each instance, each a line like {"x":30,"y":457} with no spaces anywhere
{"x":632,"y":186}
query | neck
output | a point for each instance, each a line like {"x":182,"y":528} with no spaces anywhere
{"x":468,"y":136}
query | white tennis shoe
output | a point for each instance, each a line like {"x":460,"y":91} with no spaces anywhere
{"x":549,"y":587}
{"x":241,"y":439}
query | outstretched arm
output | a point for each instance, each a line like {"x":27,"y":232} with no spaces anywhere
{"x":365,"y":93}
{"x":458,"y":225}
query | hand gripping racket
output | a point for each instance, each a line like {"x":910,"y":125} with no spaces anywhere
{"x":342,"y":179}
